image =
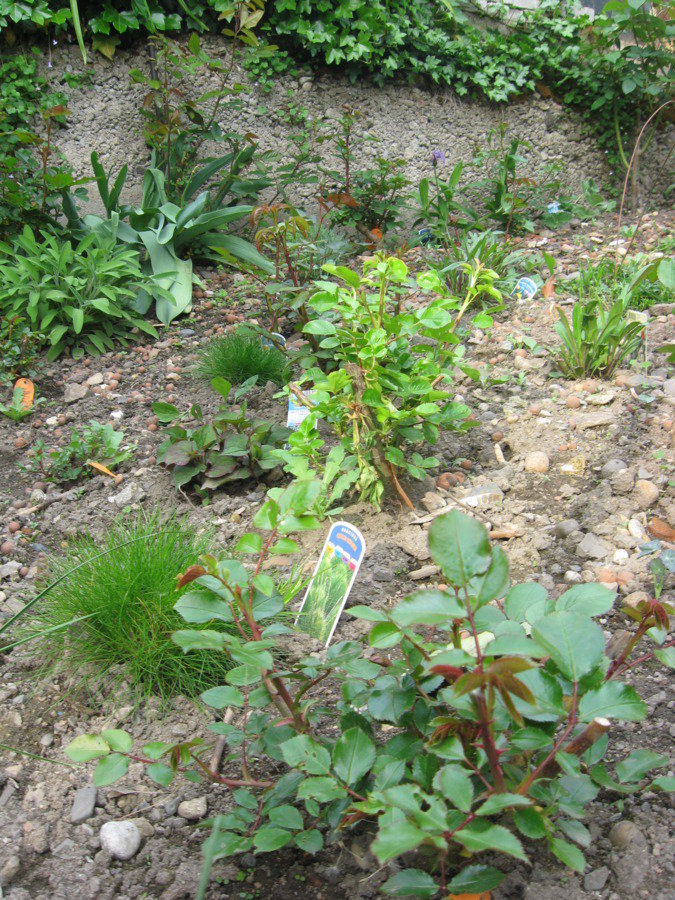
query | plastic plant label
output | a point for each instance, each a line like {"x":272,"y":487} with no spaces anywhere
{"x":297,"y":412}
{"x":525,"y":289}
{"x":274,"y":339}
{"x":331,"y":582}
{"x":553,"y":207}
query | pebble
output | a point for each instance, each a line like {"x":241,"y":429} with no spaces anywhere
{"x":537,"y":461}
{"x":10,"y":870}
{"x":636,"y":530}
{"x":193,"y":810}
{"x":622,"y":481}
{"x":646,"y":493}
{"x":121,"y":840}
{"x":624,"y":833}
{"x":84,"y":803}
{"x":573,"y":402}
{"x":591,"y":547}
{"x":566,"y":527}
{"x":612,"y":466}
{"x":75,"y":392}
{"x":595,"y":880}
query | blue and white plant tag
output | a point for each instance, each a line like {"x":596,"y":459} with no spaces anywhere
{"x":331,"y":582}
{"x":297,"y":412}
{"x":279,"y":340}
{"x":553,"y":207}
{"x":525,"y":289}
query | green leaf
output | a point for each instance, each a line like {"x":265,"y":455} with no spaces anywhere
{"x":393,"y":841}
{"x":222,"y":386}
{"x":430,"y":607}
{"x":475,"y":880}
{"x":455,"y":785}
{"x":160,"y":774}
{"x":86,"y":747}
{"x":249,"y":543}
{"x":110,"y":769}
{"x":586,"y":600}
{"x":271,"y":838}
{"x":460,"y":546}
{"x":322,"y":788}
{"x":198,"y":640}
{"x":410,"y":883}
{"x":664,"y":783}
{"x":385,"y":634}
{"x":310,"y":841}
{"x":574,"y":643}
{"x":568,"y":854}
{"x":499,"y":802}
{"x":367,"y":613}
{"x":612,"y":700}
{"x":319,"y":326}
{"x":481,"y":835}
{"x":521,"y":597}
{"x":78,"y":320}
{"x":165,"y":412}
{"x":636,"y":765}
{"x":353,"y":755}
{"x":529,"y":822}
{"x":286,"y":816}
{"x":305,"y":753}
{"x":118,"y":740}
{"x":220,"y":697}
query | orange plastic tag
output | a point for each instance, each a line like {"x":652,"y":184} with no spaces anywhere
{"x":100,"y":468}
{"x":26,"y":386}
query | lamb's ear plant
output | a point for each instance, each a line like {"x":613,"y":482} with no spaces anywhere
{"x":478,"y":715}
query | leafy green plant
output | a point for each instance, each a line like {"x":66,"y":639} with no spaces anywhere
{"x":165,"y":233}
{"x":99,"y":444}
{"x":242,"y":354}
{"x":80,"y":295}
{"x":19,"y":346}
{"x":388,"y":379}
{"x":489,"y":249}
{"x":500,"y":700}
{"x":32,"y":171}
{"x":19,"y":408}
{"x":232,"y":447}
{"x":117,"y":610}
{"x":604,"y":279}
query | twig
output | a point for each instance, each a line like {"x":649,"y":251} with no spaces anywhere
{"x":219,"y":749}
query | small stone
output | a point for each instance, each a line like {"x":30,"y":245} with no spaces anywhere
{"x":10,"y":870}
{"x":36,"y":839}
{"x":620,"y":557}
{"x":424,"y":572}
{"x":573,"y":402}
{"x":132,"y":493}
{"x":601,"y":399}
{"x":75,"y":392}
{"x":566,"y":527}
{"x":536,"y":461}
{"x":636,"y":530}
{"x":193,"y":810}
{"x":591,"y":547}
{"x":535,"y":409}
{"x":646,"y":493}
{"x":595,"y":880}
{"x":7,"y":547}
{"x":624,"y":833}
{"x":612,"y":466}
{"x":432,"y":502}
{"x":622,"y":481}
{"x":497,"y":436}
{"x":84,"y":803}
{"x":572,"y":577}
{"x":95,"y":379}
{"x":120,"y":839}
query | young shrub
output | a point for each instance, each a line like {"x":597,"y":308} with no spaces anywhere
{"x":386,"y":389}
{"x":482,"y":717}
{"x":242,"y":354}
{"x":118,"y":609}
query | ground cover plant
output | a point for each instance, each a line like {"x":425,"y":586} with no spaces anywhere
{"x":97,"y":446}
{"x":501,"y":702}
{"x":242,"y":354}
{"x":116,"y":611}
{"x":231,"y":447}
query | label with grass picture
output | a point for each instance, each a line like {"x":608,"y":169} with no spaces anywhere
{"x":331,"y":582}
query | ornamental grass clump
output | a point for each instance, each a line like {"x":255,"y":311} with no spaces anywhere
{"x":240,"y":355}
{"x":117,"y":609}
